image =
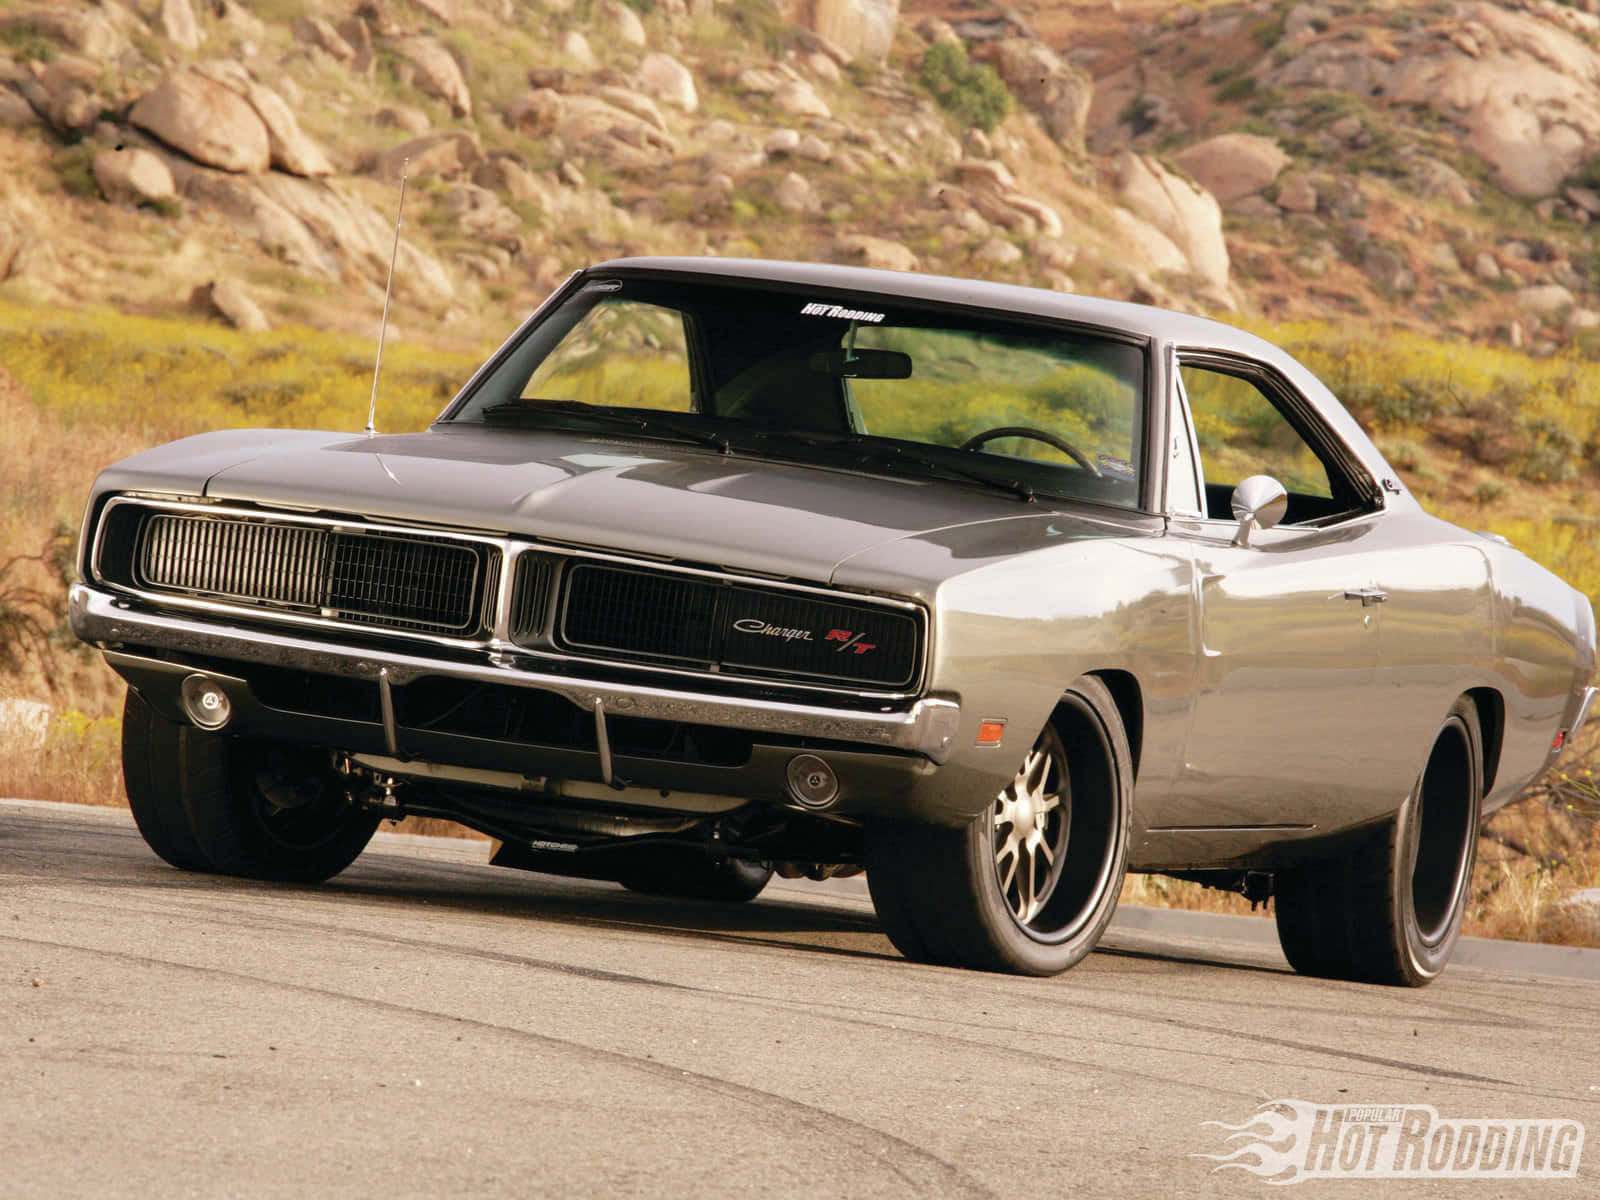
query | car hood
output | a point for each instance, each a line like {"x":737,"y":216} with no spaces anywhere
{"x":643,"y":497}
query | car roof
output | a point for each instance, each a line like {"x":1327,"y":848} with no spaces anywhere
{"x":1156,"y":324}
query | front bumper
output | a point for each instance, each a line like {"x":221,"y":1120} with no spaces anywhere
{"x":927,"y":729}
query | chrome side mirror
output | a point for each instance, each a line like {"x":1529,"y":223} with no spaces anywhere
{"x":1258,"y":503}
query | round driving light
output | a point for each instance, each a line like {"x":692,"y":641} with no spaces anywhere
{"x":812,"y":781}
{"x":206,"y":703}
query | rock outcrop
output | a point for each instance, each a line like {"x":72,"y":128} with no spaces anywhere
{"x":1232,"y":166}
{"x":1183,"y":211}
{"x":435,"y":71}
{"x":859,"y":28}
{"x":205,"y":120}
{"x":132,"y":175}
{"x":1055,"y":90}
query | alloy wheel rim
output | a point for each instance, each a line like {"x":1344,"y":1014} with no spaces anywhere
{"x":1030,"y":825}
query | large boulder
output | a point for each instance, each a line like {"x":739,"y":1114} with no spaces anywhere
{"x":290,"y":147}
{"x":1148,"y":244}
{"x":436,"y":72}
{"x":207,"y":121}
{"x":446,"y":155}
{"x":867,"y":251}
{"x":669,"y":81}
{"x":593,"y":127}
{"x":799,"y":99}
{"x":314,"y":31}
{"x":176,"y":21}
{"x":1182,"y":210}
{"x":65,"y":93}
{"x":133,"y":175}
{"x":1058,"y":92}
{"x":860,"y":28}
{"x":1234,"y":165}
{"x":233,"y":304}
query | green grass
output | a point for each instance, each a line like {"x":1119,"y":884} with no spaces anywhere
{"x":171,"y":377}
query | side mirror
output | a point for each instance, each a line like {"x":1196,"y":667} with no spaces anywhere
{"x":1259,"y":502}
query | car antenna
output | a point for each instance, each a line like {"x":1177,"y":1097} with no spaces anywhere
{"x":388,"y":289}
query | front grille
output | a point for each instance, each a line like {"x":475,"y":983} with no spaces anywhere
{"x":736,"y":629}
{"x":402,"y":581}
{"x":858,"y":642}
{"x":390,"y":580}
{"x":639,"y":612}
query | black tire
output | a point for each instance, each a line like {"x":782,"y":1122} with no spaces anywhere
{"x":158,"y":811}
{"x":1390,"y":910}
{"x":940,"y":893}
{"x":692,"y":875}
{"x":208,"y":802}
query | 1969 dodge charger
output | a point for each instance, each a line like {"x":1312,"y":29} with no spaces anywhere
{"x":722,"y":567}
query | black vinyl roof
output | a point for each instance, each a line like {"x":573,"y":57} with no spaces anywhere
{"x":1141,"y":320}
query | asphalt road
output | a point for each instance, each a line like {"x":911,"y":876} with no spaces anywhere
{"x":426,"y":1025}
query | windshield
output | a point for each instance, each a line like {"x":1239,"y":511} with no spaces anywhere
{"x":1027,"y":407}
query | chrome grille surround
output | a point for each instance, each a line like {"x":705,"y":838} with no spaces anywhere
{"x":521,"y":591}
{"x":302,"y":569}
{"x":742,"y":628}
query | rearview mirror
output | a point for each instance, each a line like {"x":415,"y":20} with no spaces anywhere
{"x":862,"y":364}
{"x":1259,"y":502}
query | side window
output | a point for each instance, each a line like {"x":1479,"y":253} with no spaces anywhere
{"x":1242,"y":431}
{"x":622,"y":353}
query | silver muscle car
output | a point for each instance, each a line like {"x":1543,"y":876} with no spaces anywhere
{"x":718,"y":568}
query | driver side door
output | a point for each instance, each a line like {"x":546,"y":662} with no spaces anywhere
{"x":1286,"y":650}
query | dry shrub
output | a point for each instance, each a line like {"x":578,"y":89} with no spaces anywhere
{"x":77,"y":760}
{"x":1539,"y":851}
{"x":1163,"y":891}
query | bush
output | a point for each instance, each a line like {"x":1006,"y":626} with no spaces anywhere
{"x":971,"y":92}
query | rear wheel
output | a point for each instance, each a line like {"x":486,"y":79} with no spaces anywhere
{"x":1031,"y":883}
{"x":1390,"y":910}
{"x":671,"y":871}
{"x":207,"y":802}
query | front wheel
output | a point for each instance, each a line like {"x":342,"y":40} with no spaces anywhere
{"x":207,"y":802}
{"x":1390,"y":910}
{"x":1030,"y":884}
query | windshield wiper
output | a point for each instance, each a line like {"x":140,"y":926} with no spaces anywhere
{"x":519,"y":410}
{"x":888,"y":453}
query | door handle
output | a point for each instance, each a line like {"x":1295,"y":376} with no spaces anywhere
{"x":1367,"y":596}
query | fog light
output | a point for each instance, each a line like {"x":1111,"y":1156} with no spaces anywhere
{"x":812,"y":781}
{"x":206,"y":703}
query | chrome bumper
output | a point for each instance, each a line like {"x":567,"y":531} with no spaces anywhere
{"x":928,"y":728}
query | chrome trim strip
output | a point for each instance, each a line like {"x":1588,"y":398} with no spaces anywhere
{"x":1584,"y":708}
{"x":927,"y":728}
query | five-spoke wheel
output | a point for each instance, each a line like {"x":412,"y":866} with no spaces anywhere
{"x":1031,"y":882}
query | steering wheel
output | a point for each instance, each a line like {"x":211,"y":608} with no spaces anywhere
{"x":1038,"y":435}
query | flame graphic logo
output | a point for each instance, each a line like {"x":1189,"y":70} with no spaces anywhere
{"x":1273,"y":1141}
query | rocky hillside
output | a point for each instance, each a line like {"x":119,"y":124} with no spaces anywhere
{"x":1432,"y":164}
